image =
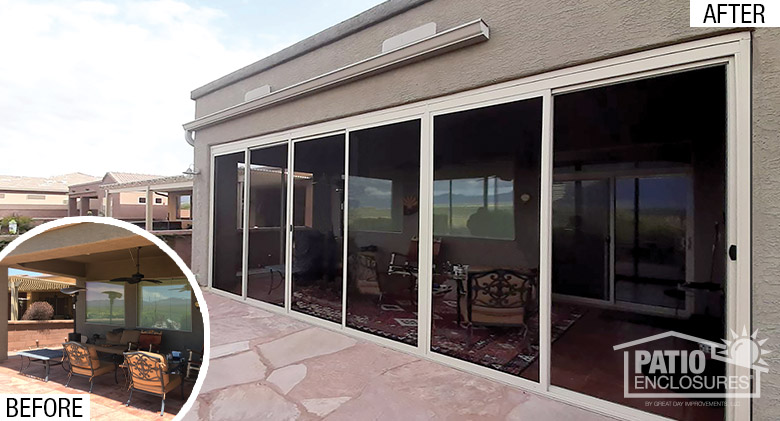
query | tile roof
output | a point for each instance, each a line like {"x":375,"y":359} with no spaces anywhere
{"x":58,"y":183}
{"x":150,"y":182}
{"x":127,"y":177}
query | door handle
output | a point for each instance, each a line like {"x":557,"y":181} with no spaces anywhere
{"x":733,"y":252}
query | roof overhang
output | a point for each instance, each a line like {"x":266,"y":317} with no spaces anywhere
{"x":461,"y":36}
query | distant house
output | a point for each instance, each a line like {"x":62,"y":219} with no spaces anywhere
{"x":25,"y":290}
{"x":41,"y":198}
{"x":160,"y":204}
{"x":89,"y":198}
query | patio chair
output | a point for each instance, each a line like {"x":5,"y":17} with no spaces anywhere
{"x":409,"y":267}
{"x":149,"y":374}
{"x":498,"y":297}
{"x":194,"y":361}
{"x":84,"y":362}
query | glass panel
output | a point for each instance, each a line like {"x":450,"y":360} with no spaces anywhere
{"x":581,"y":217}
{"x":267,"y":223}
{"x":636,"y":133}
{"x":106,"y":303}
{"x":228,"y":205}
{"x":384,"y":188}
{"x":318,"y":241}
{"x":486,"y":242}
{"x":650,"y":237}
{"x":167,"y":305}
{"x":474,"y":207}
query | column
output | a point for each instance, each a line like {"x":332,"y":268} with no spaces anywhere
{"x":3,"y":314}
{"x":83,"y":206}
{"x":109,"y":205}
{"x":173,"y":206}
{"x":14,"y":300}
{"x":149,"y":209}
{"x":73,"y":206}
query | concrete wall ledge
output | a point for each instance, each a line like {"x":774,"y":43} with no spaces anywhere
{"x":40,"y":324}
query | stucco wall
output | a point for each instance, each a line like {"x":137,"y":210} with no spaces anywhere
{"x":766,"y":212}
{"x":526,"y":38}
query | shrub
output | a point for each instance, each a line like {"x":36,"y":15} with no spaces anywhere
{"x":39,"y":310}
{"x":23,"y":223}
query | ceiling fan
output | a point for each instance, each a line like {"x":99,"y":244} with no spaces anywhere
{"x":137,"y":276}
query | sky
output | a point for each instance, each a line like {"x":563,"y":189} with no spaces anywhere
{"x":97,"y":86}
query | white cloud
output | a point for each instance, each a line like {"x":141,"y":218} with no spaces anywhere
{"x":94,"y":86}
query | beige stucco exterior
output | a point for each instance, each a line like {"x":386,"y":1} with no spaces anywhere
{"x":526,"y":38}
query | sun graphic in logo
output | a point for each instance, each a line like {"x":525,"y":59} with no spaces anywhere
{"x":745,"y":350}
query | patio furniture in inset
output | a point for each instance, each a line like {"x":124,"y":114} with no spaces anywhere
{"x":194,"y":361}
{"x":84,"y":362}
{"x":118,"y":342}
{"x":150,"y":373}
{"x":46,"y":357}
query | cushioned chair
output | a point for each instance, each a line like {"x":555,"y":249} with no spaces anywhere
{"x":498,"y":297}
{"x":149,"y":374}
{"x":84,"y":362}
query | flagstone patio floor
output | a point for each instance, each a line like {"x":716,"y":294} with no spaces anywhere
{"x":266,"y":366}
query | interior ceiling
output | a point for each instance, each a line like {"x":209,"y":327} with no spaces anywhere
{"x":108,"y":256}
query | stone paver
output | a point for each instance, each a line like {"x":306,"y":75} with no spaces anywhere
{"x":233,"y":370}
{"x":287,"y":378}
{"x":325,"y":406}
{"x":303,"y":345}
{"x":229,"y":349}
{"x":251,"y":402}
{"x":277,"y":368}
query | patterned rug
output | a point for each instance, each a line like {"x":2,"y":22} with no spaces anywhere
{"x":507,"y":349}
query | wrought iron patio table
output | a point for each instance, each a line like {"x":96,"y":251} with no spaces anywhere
{"x":47,"y":357}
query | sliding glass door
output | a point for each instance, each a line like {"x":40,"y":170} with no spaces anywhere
{"x":486,"y":198}
{"x":383,"y":231}
{"x":318,"y":227}
{"x":228,"y":226}
{"x":649,"y":157}
{"x":267,"y":216}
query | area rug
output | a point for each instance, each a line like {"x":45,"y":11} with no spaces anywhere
{"x":510,"y":349}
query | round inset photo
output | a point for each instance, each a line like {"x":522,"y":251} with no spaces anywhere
{"x":101,"y":307}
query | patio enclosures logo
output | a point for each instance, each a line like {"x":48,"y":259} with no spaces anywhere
{"x":676,"y":365}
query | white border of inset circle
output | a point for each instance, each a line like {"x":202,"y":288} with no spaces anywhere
{"x":164,"y":247}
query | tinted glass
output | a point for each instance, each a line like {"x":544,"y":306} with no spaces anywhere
{"x":486,"y":236}
{"x":384,"y":217}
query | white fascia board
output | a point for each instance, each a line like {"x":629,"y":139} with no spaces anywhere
{"x":458,"y":37}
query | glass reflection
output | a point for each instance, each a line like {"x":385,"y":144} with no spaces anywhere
{"x":227,"y":265}
{"x":384,"y":185}
{"x":630,"y":160}
{"x":486,"y":227}
{"x":267,"y":216}
{"x":318,"y":204}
